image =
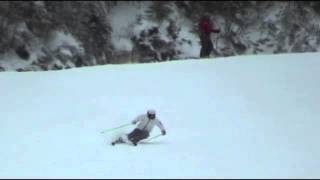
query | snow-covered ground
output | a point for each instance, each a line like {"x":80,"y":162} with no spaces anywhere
{"x":238,"y":117}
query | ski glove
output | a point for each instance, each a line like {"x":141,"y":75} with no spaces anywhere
{"x":163,"y":133}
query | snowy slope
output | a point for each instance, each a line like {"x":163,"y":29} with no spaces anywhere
{"x":239,"y":117}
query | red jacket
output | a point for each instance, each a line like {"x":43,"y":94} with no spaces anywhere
{"x":207,"y":27}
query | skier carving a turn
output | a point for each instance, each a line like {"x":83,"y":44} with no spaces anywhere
{"x":146,"y":122}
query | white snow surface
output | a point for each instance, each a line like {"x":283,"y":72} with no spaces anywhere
{"x":237,"y":117}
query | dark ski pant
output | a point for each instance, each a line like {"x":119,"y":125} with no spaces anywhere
{"x":137,"y":135}
{"x":206,"y":45}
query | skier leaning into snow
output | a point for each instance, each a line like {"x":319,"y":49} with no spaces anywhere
{"x":206,"y":27}
{"x":146,"y":122}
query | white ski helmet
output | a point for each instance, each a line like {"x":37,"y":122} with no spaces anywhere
{"x":151,"y":114}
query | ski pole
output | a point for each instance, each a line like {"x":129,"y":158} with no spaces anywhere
{"x":154,"y":137}
{"x":122,"y":126}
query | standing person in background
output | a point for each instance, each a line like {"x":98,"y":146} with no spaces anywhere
{"x":206,"y":27}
